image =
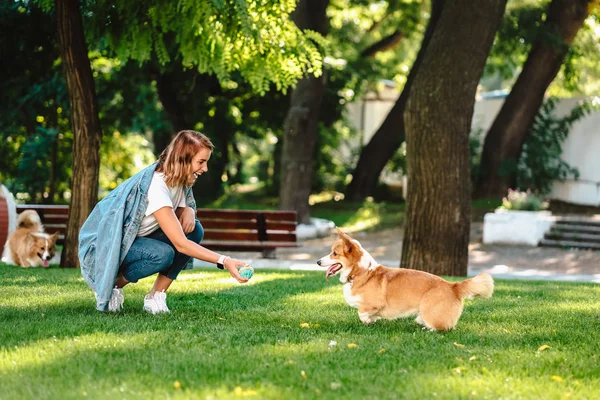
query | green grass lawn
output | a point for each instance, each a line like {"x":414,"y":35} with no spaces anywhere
{"x":271,"y":339}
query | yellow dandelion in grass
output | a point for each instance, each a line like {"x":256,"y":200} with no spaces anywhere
{"x":557,"y":378}
{"x":543,"y":347}
{"x":472,"y":358}
{"x":177,"y":385}
{"x":459,"y":345}
{"x":352,"y":345}
{"x":381,"y":351}
{"x":305,"y":325}
{"x":238,"y":390}
{"x":303,"y":374}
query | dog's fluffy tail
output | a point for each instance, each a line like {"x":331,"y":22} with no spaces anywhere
{"x":481,"y":285}
{"x":30,"y":220}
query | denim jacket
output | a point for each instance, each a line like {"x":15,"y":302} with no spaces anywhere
{"x":111,"y":228}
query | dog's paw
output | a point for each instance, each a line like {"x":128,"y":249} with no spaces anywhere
{"x":367,"y":319}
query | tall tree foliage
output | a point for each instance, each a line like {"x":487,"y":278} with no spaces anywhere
{"x":389,"y":136}
{"x":256,"y":39}
{"x":438,"y":121}
{"x":504,"y":140}
{"x":34,"y":104}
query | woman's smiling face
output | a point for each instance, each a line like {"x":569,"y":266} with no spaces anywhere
{"x":199,"y":164}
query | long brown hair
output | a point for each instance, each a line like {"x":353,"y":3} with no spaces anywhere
{"x":175,"y":160}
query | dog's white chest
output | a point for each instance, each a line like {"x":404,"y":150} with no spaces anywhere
{"x":353,"y":301}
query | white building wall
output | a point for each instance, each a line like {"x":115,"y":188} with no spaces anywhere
{"x":368,"y":114}
{"x":581,"y":149}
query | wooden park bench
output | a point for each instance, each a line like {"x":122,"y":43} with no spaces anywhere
{"x":228,"y":230}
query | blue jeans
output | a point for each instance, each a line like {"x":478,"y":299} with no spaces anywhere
{"x":155,"y":253}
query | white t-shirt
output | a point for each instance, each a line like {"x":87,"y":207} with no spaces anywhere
{"x":160,"y":195}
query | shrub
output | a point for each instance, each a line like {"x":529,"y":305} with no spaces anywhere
{"x":523,"y":201}
{"x":541,"y":163}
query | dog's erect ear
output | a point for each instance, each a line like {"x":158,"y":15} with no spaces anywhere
{"x":349,"y":245}
{"x":341,"y":234}
{"x":54,"y":236}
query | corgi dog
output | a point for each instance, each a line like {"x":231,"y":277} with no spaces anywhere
{"x":390,"y":293}
{"x":29,"y":245}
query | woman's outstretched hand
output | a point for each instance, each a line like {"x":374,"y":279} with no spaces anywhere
{"x":232,"y":265}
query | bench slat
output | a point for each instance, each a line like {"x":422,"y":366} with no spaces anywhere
{"x":251,"y":246}
{"x":232,"y":224}
{"x":54,"y":219}
{"x":203,"y":213}
{"x":44,"y":209}
{"x":49,"y":228}
{"x":247,"y":236}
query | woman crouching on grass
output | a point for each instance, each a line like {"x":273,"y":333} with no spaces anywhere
{"x":148,"y":225}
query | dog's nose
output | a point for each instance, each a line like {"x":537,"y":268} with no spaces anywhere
{"x":319,"y":263}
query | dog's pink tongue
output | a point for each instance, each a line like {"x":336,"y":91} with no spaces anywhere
{"x":45,"y":263}
{"x":330,"y":271}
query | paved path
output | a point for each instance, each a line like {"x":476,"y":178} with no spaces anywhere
{"x":504,"y":262}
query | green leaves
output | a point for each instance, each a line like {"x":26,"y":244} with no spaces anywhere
{"x":541,"y":163}
{"x":256,"y":39}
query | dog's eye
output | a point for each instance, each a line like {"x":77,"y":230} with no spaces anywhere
{"x":335,"y":253}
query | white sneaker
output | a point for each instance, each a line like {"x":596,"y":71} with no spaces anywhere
{"x":156,"y":304}
{"x":116,"y":300}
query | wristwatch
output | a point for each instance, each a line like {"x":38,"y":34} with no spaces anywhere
{"x":221,"y":261}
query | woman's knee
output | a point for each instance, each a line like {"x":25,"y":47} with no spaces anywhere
{"x":164,"y":256}
{"x":197,"y":234}
{"x":147,"y":261}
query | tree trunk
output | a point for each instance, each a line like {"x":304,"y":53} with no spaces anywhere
{"x":175,"y":112}
{"x":301,"y":123}
{"x":53,"y":170}
{"x":438,"y":121}
{"x":504,"y":141}
{"x":86,"y":124}
{"x":390,"y":135}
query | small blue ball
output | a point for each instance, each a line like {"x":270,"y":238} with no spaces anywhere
{"x":246,"y":272}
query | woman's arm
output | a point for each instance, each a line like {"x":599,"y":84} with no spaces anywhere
{"x":168,"y":222}
{"x":186,"y":218}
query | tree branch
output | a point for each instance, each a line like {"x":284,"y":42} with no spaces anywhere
{"x":384,"y":44}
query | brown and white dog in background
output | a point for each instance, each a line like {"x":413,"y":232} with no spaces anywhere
{"x":29,"y":245}
{"x":390,"y":293}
